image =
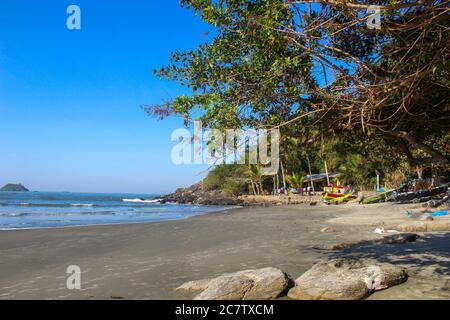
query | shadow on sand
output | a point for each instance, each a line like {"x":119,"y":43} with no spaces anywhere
{"x":431,"y":252}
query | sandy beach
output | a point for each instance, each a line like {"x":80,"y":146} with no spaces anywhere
{"x":149,"y":260}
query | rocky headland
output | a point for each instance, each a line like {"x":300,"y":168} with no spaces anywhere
{"x":11,"y":187}
{"x":196,"y":194}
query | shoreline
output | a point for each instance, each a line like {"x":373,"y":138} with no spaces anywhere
{"x":149,"y":260}
{"x":119,"y":223}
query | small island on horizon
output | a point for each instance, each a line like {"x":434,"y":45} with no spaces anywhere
{"x":11,"y":187}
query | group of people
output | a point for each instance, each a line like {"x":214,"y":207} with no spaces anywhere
{"x":282,"y":190}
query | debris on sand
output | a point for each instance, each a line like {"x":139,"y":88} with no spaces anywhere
{"x":327,"y":230}
{"x":434,"y":197}
{"x":398,"y":238}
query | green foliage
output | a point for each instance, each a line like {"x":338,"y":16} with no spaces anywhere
{"x":358,"y":159}
{"x":248,"y":74}
{"x":354,"y":171}
{"x":228,"y":178}
{"x":296,"y":180}
{"x":234,"y":187}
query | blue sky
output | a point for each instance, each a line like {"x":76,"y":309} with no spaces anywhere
{"x":70,"y":117}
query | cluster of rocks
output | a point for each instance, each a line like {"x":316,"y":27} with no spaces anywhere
{"x":195,"y":194}
{"x":339,"y":279}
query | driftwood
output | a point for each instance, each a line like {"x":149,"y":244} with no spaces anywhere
{"x":415,"y":200}
{"x":439,"y":202}
{"x":383,"y":197}
{"x":420,"y":196}
{"x":435,"y":197}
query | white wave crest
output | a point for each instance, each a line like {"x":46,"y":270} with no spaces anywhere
{"x":141,"y":200}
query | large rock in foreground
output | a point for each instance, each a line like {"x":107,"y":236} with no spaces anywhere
{"x":346,"y":280}
{"x":259,"y":284}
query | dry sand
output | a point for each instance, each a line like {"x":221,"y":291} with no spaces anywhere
{"x":147,"y":261}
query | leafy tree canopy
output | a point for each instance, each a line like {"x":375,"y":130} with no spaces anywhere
{"x":315,"y":70}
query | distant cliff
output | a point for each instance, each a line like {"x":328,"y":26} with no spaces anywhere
{"x":14,"y":187}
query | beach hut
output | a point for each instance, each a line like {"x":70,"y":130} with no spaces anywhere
{"x":319,"y":180}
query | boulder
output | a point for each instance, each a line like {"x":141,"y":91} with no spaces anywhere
{"x":343,"y":279}
{"x":258,"y":284}
{"x":194,"y":286}
{"x":328,"y":230}
{"x":340,"y":246}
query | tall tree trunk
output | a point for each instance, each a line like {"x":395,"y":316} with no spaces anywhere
{"x":284,"y":178}
{"x":274,"y":185}
{"x":419,"y":171}
{"x":433,"y":177}
{"x":253,"y":187}
{"x":310,"y":175}
{"x":278,"y":182}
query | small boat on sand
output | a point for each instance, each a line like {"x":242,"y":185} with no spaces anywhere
{"x":337,"y":194}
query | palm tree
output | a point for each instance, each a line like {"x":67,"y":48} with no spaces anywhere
{"x":254,"y":174}
{"x":296,"y":180}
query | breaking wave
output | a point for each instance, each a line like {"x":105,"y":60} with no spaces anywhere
{"x":142,"y":200}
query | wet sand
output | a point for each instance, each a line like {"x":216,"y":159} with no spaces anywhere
{"x":147,"y":261}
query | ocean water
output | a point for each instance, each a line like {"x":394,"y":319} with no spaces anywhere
{"x":34,"y":210}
